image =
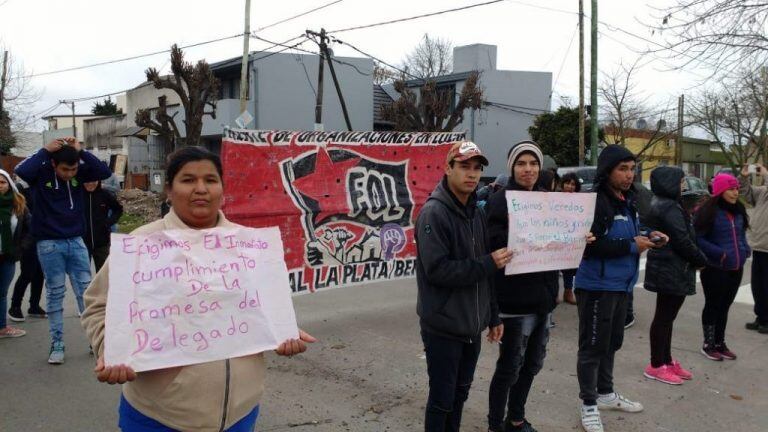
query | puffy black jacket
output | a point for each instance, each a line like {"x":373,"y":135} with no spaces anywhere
{"x":671,"y":269}
{"x":526,"y":293}
{"x":453,"y":268}
{"x":98,"y":217}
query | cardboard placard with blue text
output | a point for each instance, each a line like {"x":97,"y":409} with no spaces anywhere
{"x":547,"y":230}
{"x":181,"y":297}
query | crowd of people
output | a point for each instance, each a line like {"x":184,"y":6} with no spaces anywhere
{"x":462,"y":239}
{"x":57,"y":217}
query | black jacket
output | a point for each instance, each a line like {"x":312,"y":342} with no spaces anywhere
{"x":98,"y":220}
{"x":528,"y":293}
{"x":453,"y":268}
{"x":671,"y":269}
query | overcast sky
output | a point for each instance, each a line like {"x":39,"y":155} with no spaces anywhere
{"x":51,"y":35}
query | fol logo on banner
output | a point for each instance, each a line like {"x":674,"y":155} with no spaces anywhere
{"x":354,"y":208}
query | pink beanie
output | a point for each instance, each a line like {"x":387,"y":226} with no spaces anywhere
{"x":723,"y":182}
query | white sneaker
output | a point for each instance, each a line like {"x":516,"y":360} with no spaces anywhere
{"x":590,"y":419}
{"x":617,"y":402}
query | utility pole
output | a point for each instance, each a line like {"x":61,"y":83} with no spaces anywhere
{"x":319,"y":99}
{"x":581,"y":83}
{"x":679,"y":140}
{"x":326,"y":53}
{"x":593,"y":87}
{"x":244,"y":67}
{"x":3,"y":78}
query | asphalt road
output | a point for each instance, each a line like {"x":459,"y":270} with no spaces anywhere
{"x":368,"y":373}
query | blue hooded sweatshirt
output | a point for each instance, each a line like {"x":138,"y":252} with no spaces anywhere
{"x":58,"y":204}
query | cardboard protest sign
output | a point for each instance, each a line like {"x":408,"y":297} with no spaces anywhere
{"x":346,"y":202}
{"x":180,"y":297}
{"x":547,"y":230}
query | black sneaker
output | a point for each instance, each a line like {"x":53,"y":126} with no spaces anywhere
{"x":757,"y":326}
{"x":15,"y":314}
{"x":37,"y":312}
{"x":630,"y":321}
{"x":525,"y":427}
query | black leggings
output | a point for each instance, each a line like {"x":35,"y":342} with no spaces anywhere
{"x":667,"y":307}
{"x":720,"y":288}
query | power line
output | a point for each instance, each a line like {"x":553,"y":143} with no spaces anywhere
{"x":287,"y":47}
{"x":297,"y":16}
{"x":129,"y":58}
{"x":565,"y":57}
{"x":501,"y":106}
{"x":335,"y":60}
{"x":416,"y":17}
{"x":403,"y":71}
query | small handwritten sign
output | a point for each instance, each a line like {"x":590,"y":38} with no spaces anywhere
{"x":181,"y":297}
{"x":547,"y":230}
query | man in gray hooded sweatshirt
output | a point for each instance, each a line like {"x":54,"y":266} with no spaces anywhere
{"x":455,"y":295}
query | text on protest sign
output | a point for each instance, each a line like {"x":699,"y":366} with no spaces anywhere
{"x":547,"y":230}
{"x":180,"y":297}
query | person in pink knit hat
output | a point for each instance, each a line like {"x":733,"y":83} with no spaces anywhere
{"x":721,"y":224}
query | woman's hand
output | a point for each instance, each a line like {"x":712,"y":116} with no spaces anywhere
{"x":119,"y":374}
{"x":295,"y":346}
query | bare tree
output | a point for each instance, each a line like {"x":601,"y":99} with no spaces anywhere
{"x":735,"y":116}
{"x":383,"y":74}
{"x":430,"y":108}
{"x":197,"y":89}
{"x":16,"y":96}
{"x":624,"y":104}
{"x":432,"y":57}
{"x":720,"y":34}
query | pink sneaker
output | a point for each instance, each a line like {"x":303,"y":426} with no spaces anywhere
{"x":678,"y":370}
{"x":663,"y":374}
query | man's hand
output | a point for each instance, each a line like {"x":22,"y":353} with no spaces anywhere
{"x":643,"y":243}
{"x":58,"y":143}
{"x":759,"y":168}
{"x":591,"y":238}
{"x":495,"y":333}
{"x":501,"y":257}
{"x":119,"y":374}
{"x":664,"y":238}
{"x":295,"y":346}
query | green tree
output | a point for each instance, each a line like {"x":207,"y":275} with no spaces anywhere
{"x":557,"y":133}
{"x":7,"y":139}
{"x":107,"y":108}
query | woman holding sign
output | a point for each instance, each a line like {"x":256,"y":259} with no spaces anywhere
{"x":670,"y":271}
{"x":219,"y":395}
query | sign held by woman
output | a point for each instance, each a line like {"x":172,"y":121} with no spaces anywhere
{"x":183,"y":297}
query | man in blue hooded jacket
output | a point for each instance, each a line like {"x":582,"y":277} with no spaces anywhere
{"x":55,"y":175}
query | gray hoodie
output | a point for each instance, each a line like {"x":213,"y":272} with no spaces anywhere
{"x":454,"y":268}
{"x":757,"y":235}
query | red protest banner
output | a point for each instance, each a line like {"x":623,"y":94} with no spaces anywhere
{"x":345,"y":202}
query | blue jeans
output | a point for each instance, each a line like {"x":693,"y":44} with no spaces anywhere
{"x":451,"y":367}
{"x":59,"y":258}
{"x":131,"y":420}
{"x":7,"y":270}
{"x":521,"y":356}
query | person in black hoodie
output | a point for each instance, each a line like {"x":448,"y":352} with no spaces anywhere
{"x":99,"y":220}
{"x":670,"y":271}
{"x":455,"y":300}
{"x":525,"y":304}
{"x":606,"y":275}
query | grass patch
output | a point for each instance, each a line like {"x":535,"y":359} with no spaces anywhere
{"x":129,"y":222}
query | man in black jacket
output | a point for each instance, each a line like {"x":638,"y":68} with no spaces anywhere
{"x":525,"y":305}
{"x":455,"y":295}
{"x":101,"y":212}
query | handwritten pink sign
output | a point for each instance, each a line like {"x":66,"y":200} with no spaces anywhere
{"x":547,"y":230}
{"x":181,"y":297}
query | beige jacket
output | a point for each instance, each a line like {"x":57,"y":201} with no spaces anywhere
{"x":205,"y":397}
{"x":757,"y":235}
